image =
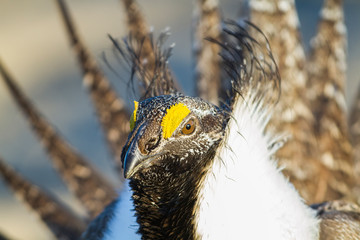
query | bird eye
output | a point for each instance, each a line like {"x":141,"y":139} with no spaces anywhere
{"x":188,"y":128}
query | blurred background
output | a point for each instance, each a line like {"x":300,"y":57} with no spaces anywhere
{"x":35,"y":48}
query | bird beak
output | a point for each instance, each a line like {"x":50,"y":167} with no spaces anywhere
{"x":132,"y":159}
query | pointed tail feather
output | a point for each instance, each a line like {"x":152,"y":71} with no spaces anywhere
{"x":292,"y":114}
{"x":308,"y":170}
{"x":139,"y":29}
{"x":354,"y":124}
{"x":157,"y":80}
{"x":58,"y":218}
{"x":111,"y":110}
{"x":327,"y":78}
{"x":88,"y":185}
{"x":207,"y":70}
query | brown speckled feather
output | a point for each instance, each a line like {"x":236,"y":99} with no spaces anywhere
{"x":354,"y":123}
{"x":292,"y":114}
{"x":318,"y":156}
{"x":339,"y":220}
{"x":63,"y":223}
{"x":207,"y":69}
{"x":94,"y":191}
{"x":147,"y":56}
{"x":110,"y":109}
{"x":326,"y":68}
{"x":139,"y":29}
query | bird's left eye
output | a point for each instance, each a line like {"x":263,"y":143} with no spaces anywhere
{"x":189,"y":127}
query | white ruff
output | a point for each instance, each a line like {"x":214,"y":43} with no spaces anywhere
{"x":244,"y":195}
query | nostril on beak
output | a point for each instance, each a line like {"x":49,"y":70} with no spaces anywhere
{"x":147,"y":145}
{"x":151,"y":144}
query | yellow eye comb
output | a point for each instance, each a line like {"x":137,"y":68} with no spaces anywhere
{"x":133,"y":116}
{"x":172,"y":119}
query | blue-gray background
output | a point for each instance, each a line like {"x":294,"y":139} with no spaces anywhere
{"x":34,"y":46}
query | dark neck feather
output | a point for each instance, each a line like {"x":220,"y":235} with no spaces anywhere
{"x":165,"y":201}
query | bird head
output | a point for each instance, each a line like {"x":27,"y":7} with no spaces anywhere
{"x":171,"y":134}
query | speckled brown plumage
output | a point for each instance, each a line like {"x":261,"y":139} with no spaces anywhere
{"x":139,"y":29}
{"x":111,"y":110}
{"x":325,"y":86}
{"x":93,"y":190}
{"x":354,"y":124}
{"x":59,"y":219}
{"x":339,"y":220}
{"x":292,"y":114}
{"x":146,"y":53}
{"x":316,"y":122}
{"x":207,"y":69}
{"x":310,"y":108}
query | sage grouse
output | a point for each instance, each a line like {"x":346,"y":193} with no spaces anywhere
{"x":209,"y":167}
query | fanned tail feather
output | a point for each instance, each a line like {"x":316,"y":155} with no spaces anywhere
{"x":92,"y":189}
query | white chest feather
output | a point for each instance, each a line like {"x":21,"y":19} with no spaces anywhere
{"x":244,"y":195}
